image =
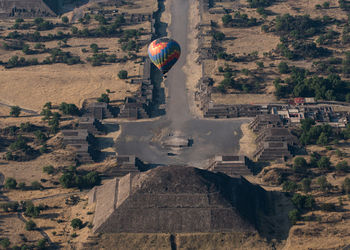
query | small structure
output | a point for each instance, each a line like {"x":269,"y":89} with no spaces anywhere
{"x":125,"y":164}
{"x":275,"y":134}
{"x":79,"y":136}
{"x":270,"y":151}
{"x":133,"y":109}
{"x":139,"y":106}
{"x":263,"y":121}
{"x":92,"y":125}
{"x":98,"y":110}
{"x":231,"y":165}
{"x":77,"y":140}
{"x":82,"y":152}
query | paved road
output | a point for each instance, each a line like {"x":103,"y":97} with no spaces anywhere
{"x":210,"y":137}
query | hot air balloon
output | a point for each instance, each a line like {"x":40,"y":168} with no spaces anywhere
{"x":164,"y":52}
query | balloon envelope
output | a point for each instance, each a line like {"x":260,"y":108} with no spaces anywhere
{"x":164,"y":53}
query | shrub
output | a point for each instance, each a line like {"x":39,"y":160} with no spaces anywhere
{"x":10,"y":183}
{"x":328,"y":207}
{"x":104,"y":98}
{"x":76,"y":223}
{"x":22,"y":186}
{"x":36,"y":185}
{"x":323,"y":183}
{"x":30,"y":225}
{"x":283,"y":68}
{"x":342,"y":166}
{"x":15,"y":111}
{"x":5,"y":243}
{"x":31,"y":210}
{"x":69,"y":109}
{"x":12,"y":205}
{"x":123,"y":74}
{"x":346,"y":186}
{"x":94,"y":47}
{"x":324,"y":163}
{"x":48,"y":169}
{"x":289,"y":186}
{"x":42,"y":244}
{"x":306,"y":185}
{"x":294,"y":216}
{"x":302,"y":202}
{"x":300,"y":165}
{"x":226,"y":19}
{"x":65,"y":19}
{"x":218,"y":36}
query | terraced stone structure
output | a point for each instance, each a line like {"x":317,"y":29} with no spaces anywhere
{"x":178,"y":199}
{"x":29,"y":8}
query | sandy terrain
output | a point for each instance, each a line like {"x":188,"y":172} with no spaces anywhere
{"x":31,"y":87}
{"x":246,"y":143}
{"x":243,"y":98}
{"x":192,"y":70}
{"x":58,"y":83}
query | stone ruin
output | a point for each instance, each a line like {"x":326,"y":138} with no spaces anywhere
{"x":28,"y":8}
{"x":179,"y":199}
{"x":231,"y":165}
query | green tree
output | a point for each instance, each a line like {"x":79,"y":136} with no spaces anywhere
{"x":218,"y":36}
{"x":40,"y":136}
{"x":123,"y":74}
{"x":323,"y":183}
{"x":67,"y":180}
{"x":104,"y":98}
{"x":226,"y":19}
{"x":294,"y":216}
{"x":10,"y":183}
{"x":314,"y":158}
{"x":342,"y":166}
{"x":42,"y":244}
{"x":94,"y":47}
{"x":300,"y":165}
{"x":325,"y":5}
{"x":346,"y":185}
{"x":306,"y":185}
{"x":289,"y":186}
{"x":283,"y":68}
{"x":76,"y":223}
{"x":322,"y":139}
{"x":15,"y":111}
{"x":26,"y":49}
{"x":36,"y":185}
{"x":30,"y":225}
{"x":324,"y":163}
{"x":54,"y":122}
{"x":69,"y":109}
{"x":31,"y":210}
{"x":22,"y":186}
{"x":65,"y":19}
{"x":92,"y":179}
{"x":5,"y":243}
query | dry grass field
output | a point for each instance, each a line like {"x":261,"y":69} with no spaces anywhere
{"x":242,"y":41}
{"x":32,"y":86}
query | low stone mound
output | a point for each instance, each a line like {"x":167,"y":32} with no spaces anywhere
{"x":179,"y":199}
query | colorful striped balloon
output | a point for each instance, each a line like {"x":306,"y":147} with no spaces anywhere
{"x":164,"y":52}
